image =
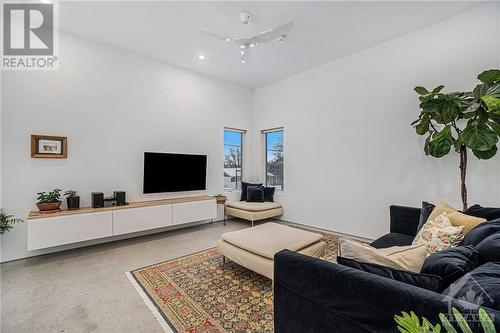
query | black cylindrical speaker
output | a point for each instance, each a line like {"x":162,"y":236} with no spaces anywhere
{"x":97,"y":199}
{"x":120,"y":198}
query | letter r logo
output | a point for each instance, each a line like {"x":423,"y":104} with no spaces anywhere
{"x":28,"y":29}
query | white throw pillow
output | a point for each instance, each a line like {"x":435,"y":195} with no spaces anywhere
{"x":409,"y":258}
{"x":439,"y":234}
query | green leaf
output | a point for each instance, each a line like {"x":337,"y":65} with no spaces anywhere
{"x":462,"y":323}
{"x":421,"y":90}
{"x":486,"y":321}
{"x":449,"y":112}
{"x":495,"y":127}
{"x":408,"y":323}
{"x":423,"y":126}
{"x":494,"y":90}
{"x":479,"y":91}
{"x":479,"y":136}
{"x":485,"y":155}
{"x":446,"y":324}
{"x":432,"y":105}
{"x":495,"y":117}
{"x":492,"y":103}
{"x":473,"y":107}
{"x":438,"y":89}
{"x":426,"y":144}
{"x":489,"y":76}
{"x":441,"y":143}
{"x":482,"y":115}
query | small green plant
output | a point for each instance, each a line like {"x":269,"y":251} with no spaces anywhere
{"x":71,"y":194}
{"x":411,"y":323}
{"x":52,"y":196}
{"x":7,"y":221}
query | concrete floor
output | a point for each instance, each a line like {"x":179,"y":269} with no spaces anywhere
{"x":86,"y":289}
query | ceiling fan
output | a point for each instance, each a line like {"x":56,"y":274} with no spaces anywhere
{"x":279,"y":33}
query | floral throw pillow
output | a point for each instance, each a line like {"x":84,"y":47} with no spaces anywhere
{"x":439,"y":234}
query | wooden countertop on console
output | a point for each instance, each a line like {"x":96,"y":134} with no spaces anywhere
{"x":138,"y":204}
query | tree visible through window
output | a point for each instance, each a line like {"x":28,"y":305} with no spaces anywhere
{"x":274,"y":159}
{"x":233,"y":152}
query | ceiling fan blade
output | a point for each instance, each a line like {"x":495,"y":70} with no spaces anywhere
{"x":272,"y":34}
{"x":215,"y":34}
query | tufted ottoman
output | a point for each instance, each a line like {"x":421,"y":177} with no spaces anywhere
{"x":254,"y":248}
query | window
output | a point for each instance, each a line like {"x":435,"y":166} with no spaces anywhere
{"x":274,"y":158}
{"x":233,"y":152}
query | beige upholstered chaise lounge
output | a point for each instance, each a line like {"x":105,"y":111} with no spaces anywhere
{"x":253,"y":211}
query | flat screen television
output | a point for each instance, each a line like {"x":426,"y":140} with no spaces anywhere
{"x":166,"y":172}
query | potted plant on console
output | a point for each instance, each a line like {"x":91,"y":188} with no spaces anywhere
{"x":49,"y":201}
{"x":221,"y":199}
{"x":72,"y":199}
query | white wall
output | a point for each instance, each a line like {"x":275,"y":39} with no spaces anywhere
{"x":112,"y":106}
{"x":349,"y":149}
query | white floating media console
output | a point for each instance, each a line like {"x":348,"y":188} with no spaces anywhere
{"x":66,"y":227}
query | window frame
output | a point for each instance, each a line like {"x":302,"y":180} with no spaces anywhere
{"x":265,"y":133}
{"x":242,"y":132}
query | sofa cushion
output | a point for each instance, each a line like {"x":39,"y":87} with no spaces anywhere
{"x":268,"y":239}
{"x":426,"y":281}
{"x":459,"y":219}
{"x":489,"y":249}
{"x":487,"y":213}
{"x":439,"y":234}
{"x":408,"y":258}
{"x":425,"y":212}
{"x":451,"y":264}
{"x":253,"y":206}
{"x":269,"y":193}
{"x":479,"y":233}
{"x":244,"y":186}
{"x":392,"y":239}
{"x":255,"y":194}
{"x":481,"y":286}
{"x":441,"y":207}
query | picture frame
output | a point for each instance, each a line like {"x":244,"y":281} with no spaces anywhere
{"x":49,"y":146}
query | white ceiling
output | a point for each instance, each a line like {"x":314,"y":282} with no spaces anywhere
{"x":323,"y":31}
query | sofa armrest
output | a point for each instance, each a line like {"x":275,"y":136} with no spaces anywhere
{"x":312,"y":295}
{"x":404,"y":220}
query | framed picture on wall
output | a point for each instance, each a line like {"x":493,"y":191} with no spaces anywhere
{"x":47,"y":146}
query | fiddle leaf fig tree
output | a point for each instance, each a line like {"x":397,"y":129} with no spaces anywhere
{"x":461,"y":121}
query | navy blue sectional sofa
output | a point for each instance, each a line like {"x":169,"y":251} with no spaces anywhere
{"x":313,"y":295}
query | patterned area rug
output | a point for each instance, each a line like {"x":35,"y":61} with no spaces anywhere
{"x":199,"y":294}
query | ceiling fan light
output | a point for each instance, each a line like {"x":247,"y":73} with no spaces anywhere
{"x":244,"y":56}
{"x":201,"y":57}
